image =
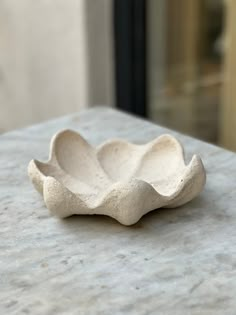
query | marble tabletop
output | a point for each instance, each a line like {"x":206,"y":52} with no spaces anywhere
{"x":173,"y":261}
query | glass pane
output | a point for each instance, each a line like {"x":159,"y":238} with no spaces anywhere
{"x":185,"y":54}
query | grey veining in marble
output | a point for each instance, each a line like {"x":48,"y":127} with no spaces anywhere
{"x":174,"y":261}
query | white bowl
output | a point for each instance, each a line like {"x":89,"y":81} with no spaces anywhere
{"x":118,"y":178}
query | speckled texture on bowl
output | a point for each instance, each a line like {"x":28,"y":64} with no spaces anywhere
{"x":118,"y":178}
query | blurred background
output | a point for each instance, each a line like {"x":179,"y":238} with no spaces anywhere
{"x":171,"y":61}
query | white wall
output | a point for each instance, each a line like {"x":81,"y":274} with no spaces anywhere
{"x":55,"y":58}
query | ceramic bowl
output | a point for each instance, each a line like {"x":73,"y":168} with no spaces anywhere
{"x":118,"y":178}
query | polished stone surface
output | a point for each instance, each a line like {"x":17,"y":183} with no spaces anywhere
{"x":173,"y":261}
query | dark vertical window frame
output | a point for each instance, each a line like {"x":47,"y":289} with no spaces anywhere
{"x":130,"y":55}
